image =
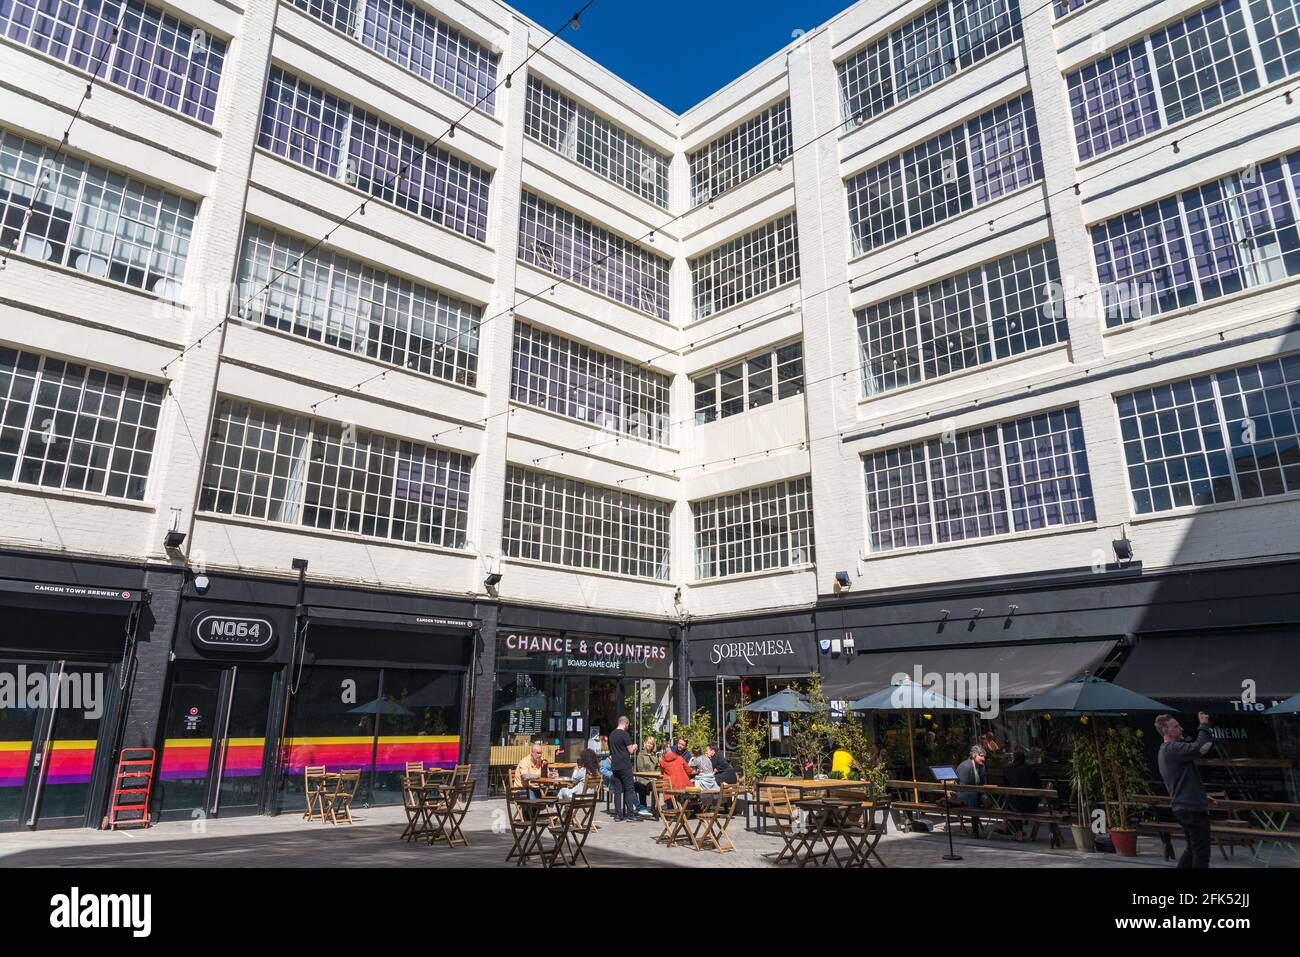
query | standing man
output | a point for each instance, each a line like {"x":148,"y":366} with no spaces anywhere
{"x":1187,"y":796}
{"x":621,"y":753}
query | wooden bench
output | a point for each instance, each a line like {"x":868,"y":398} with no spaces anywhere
{"x":1227,"y":830}
{"x":906,"y":810}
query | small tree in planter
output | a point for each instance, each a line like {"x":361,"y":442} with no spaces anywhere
{"x":751,"y":734}
{"x":853,"y":734}
{"x":1084,"y":783}
{"x":810,"y":732}
{"x":698,"y":732}
{"x":1126,"y":772}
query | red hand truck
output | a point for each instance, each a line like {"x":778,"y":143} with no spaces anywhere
{"x":132,"y":786}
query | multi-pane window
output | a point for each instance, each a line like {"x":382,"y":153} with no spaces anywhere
{"x":351,"y":305}
{"x":569,"y":128}
{"x":572,"y":379}
{"x":1204,"y":60}
{"x":415,"y":40}
{"x":1062,"y":7}
{"x":561,"y":521}
{"x":566,"y":245}
{"x":1227,"y":437}
{"x":754,"y":530}
{"x":65,"y":425}
{"x":949,"y":37}
{"x":1002,"y":308}
{"x":750,"y":265}
{"x":1016,"y":476}
{"x":92,"y":219}
{"x":324,"y":133}
{"x":280,"y":467}
{"x":1277,"y":28}
{"x":743,"y":152}
{"x":988,"y":157}
{"x":166,"y":60}
{"x":1232,"y":234}
{"x":1113,"y":101}
{"x":749,"y":383}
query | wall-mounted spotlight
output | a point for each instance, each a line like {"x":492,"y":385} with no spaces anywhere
{"x":299,"y":564}
{"x":842,"y":581}
{"x":1123,"y":547}
{"x":173,"y":540}
{"x":944,"y":614}
{"x":975,"y":613}
{"x":493,"y":579}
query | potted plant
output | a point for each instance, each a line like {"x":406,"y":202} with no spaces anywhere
{"x":810,"y":732}
{"x":1125,"y":770}
{"x":1083,"y":768}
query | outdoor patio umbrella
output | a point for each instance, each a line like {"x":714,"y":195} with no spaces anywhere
{"x":1095,"y":697}
{"x":787,"y":700}
{"x":1290,"y":706}
{"x":909,"y":696}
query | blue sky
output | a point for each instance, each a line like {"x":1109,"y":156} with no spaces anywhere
{"x":679,"y":52}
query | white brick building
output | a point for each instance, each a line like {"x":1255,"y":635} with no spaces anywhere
{"x":815,"y":324}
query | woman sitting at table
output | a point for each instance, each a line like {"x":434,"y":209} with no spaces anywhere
{"x":585,"y":776}
{"x":702,"y":769}
{"x":675,"y":773}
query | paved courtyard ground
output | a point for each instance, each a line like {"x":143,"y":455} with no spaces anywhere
{"x":374,"y":841}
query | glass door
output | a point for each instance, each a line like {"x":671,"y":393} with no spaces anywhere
{"x":49,"y":741}
{"x":215,"y":743}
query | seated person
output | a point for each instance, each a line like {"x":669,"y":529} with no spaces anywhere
{"x":702,"y":770}
{"x":1018,"y":774}
{"x":674,"y":770}
{"x":970,"y":772}
{"x":585,"y":776}
{"x":723,"y":772}
{"x":531,"y":767}
{"x":683,"y":751}
{"x":646,"y":759}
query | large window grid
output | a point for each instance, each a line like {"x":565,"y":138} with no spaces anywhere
{"x":755,"y":530}
{"x":741,"y":153}
{"x":1002,"y":308}
{"x":66,"y":425}
{"x":324,"y":133}
{"x":561,"y":521}
{"x":1235,"y":233}
{"x":350,"y":305}
{"x":92,"y":219}
{"x":164,"y":59}
{"x":417,"y":41}
{"x":563,"y":244}
{"x":749,"y":383}
{"x":763,"y":259}
{"x":1208,"y":58}
{"x":572,"y":379}
{"x":1017,"y":476}
{"x":910,"y":59}
{"x":569,"y":128}
{"x":984,"y":159}
{"x":279,"y":467}
{"x":1227,"y":437}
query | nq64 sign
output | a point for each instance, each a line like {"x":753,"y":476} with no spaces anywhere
{"x":233,"y":633}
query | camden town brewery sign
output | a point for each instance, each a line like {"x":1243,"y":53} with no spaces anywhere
{"x":585,"y":654}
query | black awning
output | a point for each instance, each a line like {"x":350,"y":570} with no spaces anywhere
{"x":1212,"y":667}
{"x":70,"y":596}
{"x":387,"y":621}
{"x":1022,"y":670}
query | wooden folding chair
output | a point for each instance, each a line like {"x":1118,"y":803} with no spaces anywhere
{"x":338,"y":802}
{"x":448,"y":813}
{"x":570,"y":829}
{"x":789,"y":825}
{"x":714,"y":818}
{"x":866,"y":832}
{"x":413,"y":800}
{"x":661,"y":802}
{"x":460,"y":774}
{"x":313,"y":777}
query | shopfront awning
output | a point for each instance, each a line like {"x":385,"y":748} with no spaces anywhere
{"x":70,"y":596}
{"x":1215,"y":667}
{"x":387,"y":621}
{"x":1021,"y":670}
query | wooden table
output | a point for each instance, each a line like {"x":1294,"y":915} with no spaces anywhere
{"x":804,"y":786}
{"x":539,"y":812}
{"x":834,"y":820}
{"x":1051,"y":814}
{"x":420,"y":824}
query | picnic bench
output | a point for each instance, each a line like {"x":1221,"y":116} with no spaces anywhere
{"x":1233,"y":824}
{"x":908,"y":803}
